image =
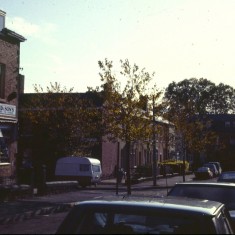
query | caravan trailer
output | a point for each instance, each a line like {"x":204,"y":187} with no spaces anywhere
{"x":87,"y":171}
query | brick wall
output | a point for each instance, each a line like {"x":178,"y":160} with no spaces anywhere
{"x":109,"y":158}
{"x":9,"y":55}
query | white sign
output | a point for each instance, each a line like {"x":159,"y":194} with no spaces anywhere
{"x":8,"y":110}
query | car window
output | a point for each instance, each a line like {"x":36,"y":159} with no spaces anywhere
{"x":222,"y":223}
{"x":216,"y":165}
{"x":144,"y":223}
{"x":84,"y":167}
{"x":96,"y":168}
{"x":93,"y":223}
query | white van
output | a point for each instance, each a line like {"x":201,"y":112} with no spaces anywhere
{"x":85,"y":170}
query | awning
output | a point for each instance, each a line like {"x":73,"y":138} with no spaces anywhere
{"x":8,"y":120}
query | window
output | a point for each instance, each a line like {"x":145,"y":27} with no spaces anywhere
{"x":95,"y":168}
{"x":84,"y":167}
{"x":141,"y":223}
{"x":227,"y":124}
{"x":232,"y":140}
{"x":3,"y":149}
{"x":2,"y":81}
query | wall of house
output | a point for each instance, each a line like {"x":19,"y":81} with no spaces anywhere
{"x":109,"y":160}
{"x":9,"y":56}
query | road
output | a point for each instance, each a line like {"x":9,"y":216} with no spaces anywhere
{"x":48,"y":224}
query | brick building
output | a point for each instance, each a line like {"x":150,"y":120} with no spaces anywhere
{"x":11,"y":84}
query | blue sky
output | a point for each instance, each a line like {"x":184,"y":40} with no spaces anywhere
{"x":176,"y":39}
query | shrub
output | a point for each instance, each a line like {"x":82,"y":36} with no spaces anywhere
{"x":176,"y":166}
{"x":143,"y":171}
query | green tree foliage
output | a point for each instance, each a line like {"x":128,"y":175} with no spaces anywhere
{"x":126,"y":115}
{"x":62,"y":123}
{"x":200,"y":96}
{"x":187,"y":104}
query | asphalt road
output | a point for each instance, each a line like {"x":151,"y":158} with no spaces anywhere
{"x":44,"y":224}
{"x":48,"y":224}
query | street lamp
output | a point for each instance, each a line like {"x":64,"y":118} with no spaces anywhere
{"x":177,"y":156}
{"x":154,"y":147}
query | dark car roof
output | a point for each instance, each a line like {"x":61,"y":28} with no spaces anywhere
{"x":197,"y":206}
{"x":226,"y":176}
{"x":228,"y":172}
{"x":213,"y":184}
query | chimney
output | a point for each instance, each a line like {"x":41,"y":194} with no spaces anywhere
{"x":2,"y":19}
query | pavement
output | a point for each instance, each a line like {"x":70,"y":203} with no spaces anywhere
{"x":26,"y":208}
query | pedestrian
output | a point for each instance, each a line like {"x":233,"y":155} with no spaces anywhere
{"x":121,"y":175}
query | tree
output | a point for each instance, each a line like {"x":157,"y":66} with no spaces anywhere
{"x":201,"y":96}
{"x":188,"y":103}
{"x":62,"y":123}
{"x":126,"y":115}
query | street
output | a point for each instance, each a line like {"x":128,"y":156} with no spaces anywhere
{"x":48,"y":224}
{"x":44,"y":224}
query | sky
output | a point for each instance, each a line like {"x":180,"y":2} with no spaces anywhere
{"x":175,"y":39}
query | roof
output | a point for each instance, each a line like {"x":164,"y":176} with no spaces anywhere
{"x":95,"y":97}
{"x":185,"y":205}
{"x":221,"y":117}
{"x":11,"y":34}
{"x":78,"y":159}
{"x":217,"y":184}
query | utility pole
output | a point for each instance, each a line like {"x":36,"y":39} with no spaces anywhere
{"x":184,"y":157}
{"x":154,"y":147}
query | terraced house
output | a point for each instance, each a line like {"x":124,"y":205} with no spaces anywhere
{"x":11,"y":84}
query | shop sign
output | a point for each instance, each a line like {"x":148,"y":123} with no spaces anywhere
{"x":8,"y":110}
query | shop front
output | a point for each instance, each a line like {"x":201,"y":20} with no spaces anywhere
{"x":8,"y":143}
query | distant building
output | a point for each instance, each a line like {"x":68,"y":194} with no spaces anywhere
{"x":223,"y":149}
{"x":11,"y":84}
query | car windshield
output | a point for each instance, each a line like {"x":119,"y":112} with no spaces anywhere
{"x":96,"y":168}
{"x":217,"y":165}
{"x":203,"y":169}
{"x":211,"y":166}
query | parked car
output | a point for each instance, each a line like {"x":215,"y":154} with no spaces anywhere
{"x":221,"y":192}
{"x":203,"y":173}
{"x":218,"y":166}
{"x":212,"y":168}
{"x":145,"y":215}
{"x":227,"y":176}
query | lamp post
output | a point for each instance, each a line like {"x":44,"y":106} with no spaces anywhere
{"x":154,"y":147}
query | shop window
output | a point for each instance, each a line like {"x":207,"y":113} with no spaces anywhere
{"x":232,"y":140}
{"x":2,"y":81}
{"x":4,"y":157}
